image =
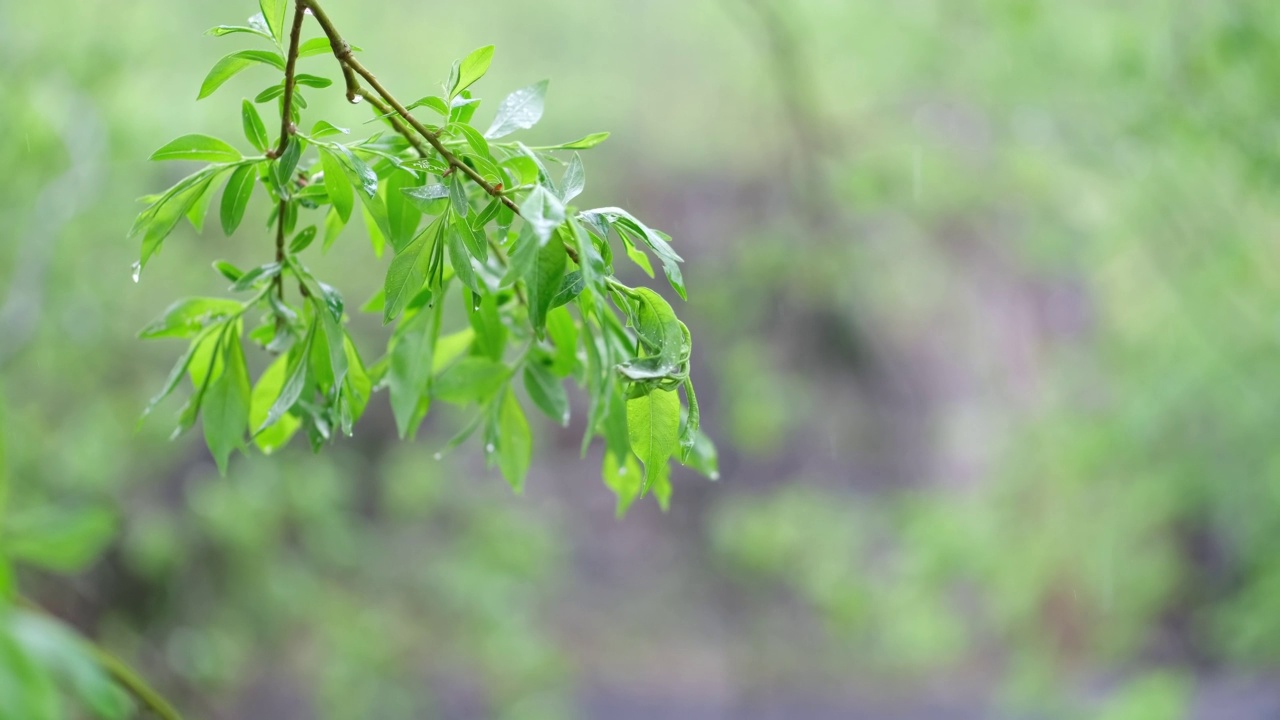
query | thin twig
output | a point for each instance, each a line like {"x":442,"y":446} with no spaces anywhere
{"x":342,"y":51}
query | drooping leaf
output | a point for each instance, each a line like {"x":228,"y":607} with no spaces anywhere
{"x":158,"y":220}
{"x":324,"y":129}
{"x":254,"y":129}
{"x":623,"y":478}
{"x":295,"y":381}
{"x":269,"y":387}
{"x":408,"y":271}
{"x":544,"y":281}
{"x":547,"y":392}
{"x":653,"y":424}
{"x":226,"y":404}
{"x":337,"y":185}
{"x":197,"y":147}
{"x":235,"y":197}
{"x":515,"y":442}
{"x":520,"y":110}
{"x":403,"y":214}
{"x":230,"y":65}
{"x":409,"y":368}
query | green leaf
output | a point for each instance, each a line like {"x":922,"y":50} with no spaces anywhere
{"x":585,"y":143}
{"x":703,"y":457}
{"x":563,"y":332}
{"x":295,"y":381}
{"x":515,"y":442}
{"x":230,"y":65}
{"x":57,"y":539}
{"x":408,"y":271}
{"x":624,"y":479}
{"x":314,"y":81}
{"x":570,"y":288}
{"x":544,"y":282}
{"x":226,"y":405}
{"x":575,"y":180}
{"x":303,"y":239}
{"x":158,"y":220}
{"x":288,"y":161}
{"x":433,"y":102}
{"x":269,"y":387}
{"x":625,"y":222}
{"x":428,"y":197}
{"x":254,"y":129}
{"x":409,"y":367}
{"x":472,"y":380}
{"x":324,"y":129}
{"x":258,"y":274}
{"x":337,"y":185}
{"x":543,"y":211}
{"x":653,"y":424}
{"x":458,"y":195}
{"x":274,"y":11}
{"x":270,"y":93}
{"x":459,"y":258}
{"x":403,"y":215}
{"x":179,"y":369}
{"x":693,"y":422}
{"x":490,"y":333}
{"x":473,"y":67}
{"x":221,"y":30}
{"x":187,"y":318}
{"x":227,"y":270}
{"x":199,"y":208}
{"x":473,"y":240}
{"x":197,"y":147}
{"x":520,"y":110}
{"x":547,"y":392}
{"x":235,"y":197}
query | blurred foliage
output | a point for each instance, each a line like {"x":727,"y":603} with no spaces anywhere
{"x":995,"y":410}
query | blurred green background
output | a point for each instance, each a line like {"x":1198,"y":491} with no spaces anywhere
{"x":983,"y":293}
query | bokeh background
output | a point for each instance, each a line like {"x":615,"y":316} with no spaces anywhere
{"x":984,"y":300}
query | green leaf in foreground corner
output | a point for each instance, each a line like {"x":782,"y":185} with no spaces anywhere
{"x":58,"y":539}
{"x":197,"y":147}
{"x":653,"y":425}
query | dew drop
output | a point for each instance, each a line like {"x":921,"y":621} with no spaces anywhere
{"x":489,"y":448}
{"x":622,"y":471}
{"x":137,"y":271}
{"x":438,"y":456}
{"x":715,"y":475}
{"x":564,"y":420}
{"x":355,"y":99}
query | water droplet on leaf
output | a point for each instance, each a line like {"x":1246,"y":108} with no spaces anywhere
{"x":137,"y":271}
{"x":489,"y":448}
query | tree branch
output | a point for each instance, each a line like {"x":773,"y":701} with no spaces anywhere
{"x":350,"y":65}
{"x":287,"y":130}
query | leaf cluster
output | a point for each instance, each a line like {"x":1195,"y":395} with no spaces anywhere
{"x":499,"y":290}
